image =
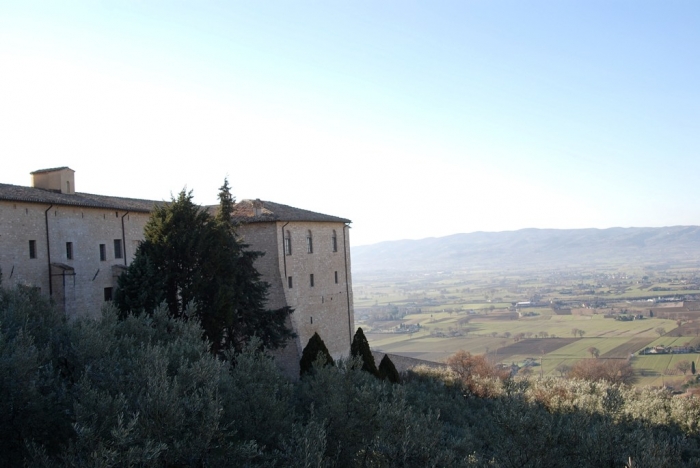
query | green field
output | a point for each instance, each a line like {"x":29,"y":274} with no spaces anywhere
{"x":477,"y":312}
{"x":613,"y":339}
{"x":604,"y":334}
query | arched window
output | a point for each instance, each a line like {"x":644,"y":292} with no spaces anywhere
{"x":309,"y":242}
{"x":334,"y":241}
{"x":287,"y":243}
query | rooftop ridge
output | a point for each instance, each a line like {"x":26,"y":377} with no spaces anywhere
{"x":20,"y":193}
{"x":51,"y":169}
{"x":243,"y":211}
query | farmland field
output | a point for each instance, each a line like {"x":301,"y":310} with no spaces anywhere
{"x":551,"y":320}
{"x":628,"y":348}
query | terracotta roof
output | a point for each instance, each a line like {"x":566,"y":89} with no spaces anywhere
{"x":36,"y":195}
{"x":244,"y":212}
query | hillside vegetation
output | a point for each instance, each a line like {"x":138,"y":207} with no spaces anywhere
{"x":146,"y":391}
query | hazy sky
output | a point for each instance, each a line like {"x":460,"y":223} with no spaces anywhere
{"x":413,"y":119}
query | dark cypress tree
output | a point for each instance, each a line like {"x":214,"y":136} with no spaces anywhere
{"x":692,"y":367}
{"x":167,"y":263}
{"x":141,"y":287}
{"x":311,"y":352}
{"x":189,"y":257}
{"x":387,"y":370}
{"x":360,"y":348}
{"x":233,"y":289}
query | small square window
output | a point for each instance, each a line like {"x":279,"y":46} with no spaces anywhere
{"x":289,"y":282}
{"x":117,"y":248}
{"x":69,"y":250}
{"x":32,"y":249}
{"x":108,"y":294}
{"x":336,"y":277}
{"x":311,"y":280}
{"x":103,"y":252}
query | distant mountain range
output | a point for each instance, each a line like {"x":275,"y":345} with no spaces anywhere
{"x":534,"y":248}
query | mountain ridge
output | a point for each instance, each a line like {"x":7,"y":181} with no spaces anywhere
{"x":533,"y":248}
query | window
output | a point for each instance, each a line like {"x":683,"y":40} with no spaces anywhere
{"x":69,"y":250}
{"x":312,"y":320}
{"x":117,"y":248}
{"x":334,"y":241}
{"x":309,"y":243}
{"x":32,"y":249}
{"x":289,"y":282}
{"x":311,"y":280}
{"x":108,"y":294}
{"x":336,"y":277}
{"x":287,"y":243}
{"x":103,"y":252}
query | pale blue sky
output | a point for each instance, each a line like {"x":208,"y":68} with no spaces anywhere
{"x":413,"y":119}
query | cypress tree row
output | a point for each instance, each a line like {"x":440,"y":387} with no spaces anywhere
{"x":310,"y":354}
{"x":360,"y":348}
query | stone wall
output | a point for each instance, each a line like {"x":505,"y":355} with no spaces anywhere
{"x":326,"y":307}
{"x":77,"y":284}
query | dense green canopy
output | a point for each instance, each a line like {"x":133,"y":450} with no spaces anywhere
{"x":145,"y":391}
{"x":196,"y":264}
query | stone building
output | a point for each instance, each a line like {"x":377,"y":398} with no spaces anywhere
{"x":73,"y":246}
{"x":70,"y":245}
{"x":307,"y":263}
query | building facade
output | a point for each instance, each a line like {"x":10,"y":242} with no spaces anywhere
{"x":73,"y":246}
{"x":307,"y":264}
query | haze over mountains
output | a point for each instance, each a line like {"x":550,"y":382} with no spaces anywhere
{"x":534,"y":248}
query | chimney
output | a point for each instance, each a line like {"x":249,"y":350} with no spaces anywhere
{"x":257,"y":207}
{"x":57,"y":179}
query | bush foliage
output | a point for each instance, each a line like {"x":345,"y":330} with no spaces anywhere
{"x":146,"y":391}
